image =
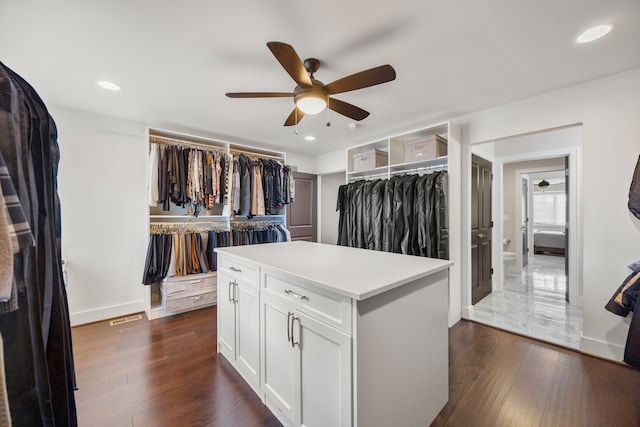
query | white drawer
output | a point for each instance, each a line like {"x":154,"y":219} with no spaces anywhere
{"x":189,"y":302}
{"x":323,"y":305}
{"x":191,"y":283}
{"x":238,"y":270}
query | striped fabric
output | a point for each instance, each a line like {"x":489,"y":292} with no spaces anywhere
{"x":19,"y":230}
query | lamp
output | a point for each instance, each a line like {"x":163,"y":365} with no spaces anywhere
{"x":310,"y":103}
{"x":543,"y":184}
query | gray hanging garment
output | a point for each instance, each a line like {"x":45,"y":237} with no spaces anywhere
{"x":634,"y":192}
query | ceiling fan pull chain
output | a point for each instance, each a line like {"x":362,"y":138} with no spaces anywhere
{"x":328,"y":122}
{"x":296,"y":120}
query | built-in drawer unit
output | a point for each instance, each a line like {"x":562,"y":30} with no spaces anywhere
{"x":190,"y":302}
{"x":182,"y":293}
{"x":323,"y":305}
{"x":239,"y":270}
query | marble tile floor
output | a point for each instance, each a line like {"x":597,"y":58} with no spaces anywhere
{"x":533,"y":304}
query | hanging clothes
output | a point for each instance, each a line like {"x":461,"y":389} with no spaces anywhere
{"x":40,"y":375}
{"x":625,"y":300}
{"x":404,"y":214}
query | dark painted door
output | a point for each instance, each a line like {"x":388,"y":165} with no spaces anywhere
{"x":525,"y":222}
{"x":302,"y":213}
{"x":481,"y":272}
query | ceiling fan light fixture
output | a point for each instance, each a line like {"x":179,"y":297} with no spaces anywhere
{"x":311,"y":104}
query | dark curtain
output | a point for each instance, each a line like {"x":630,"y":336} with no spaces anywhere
{"x":405,"y":214}
{"x":37,"y":335}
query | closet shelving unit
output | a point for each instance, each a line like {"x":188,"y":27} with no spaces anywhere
{"x":195,"y":291}
{"x":395,"y":149}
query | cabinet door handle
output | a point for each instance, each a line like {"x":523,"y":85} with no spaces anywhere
{"x":294,"y":343}
{"x":482,"y":236}
{"x":235,"y":292}
{"x":237,"y":270}
{"x":289,"y":323}
{"x":295,"y":294}
{"x":230,"y":291}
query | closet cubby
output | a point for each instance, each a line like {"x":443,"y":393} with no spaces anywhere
{"x":178,"y":294}
{"x":430,"y":152}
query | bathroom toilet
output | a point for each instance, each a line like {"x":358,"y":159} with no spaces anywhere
{"x":509,"y":259}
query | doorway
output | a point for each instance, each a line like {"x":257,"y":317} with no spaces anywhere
{"x":536,"y":295}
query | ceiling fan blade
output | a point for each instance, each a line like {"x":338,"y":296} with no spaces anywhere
{"x":291,"y":120}
{"x":370,"y":77}
{"x":291,"y":62}
{"x":346,"y":109}
{"x":258,"y":94}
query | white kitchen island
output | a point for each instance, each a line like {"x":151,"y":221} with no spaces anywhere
{"x":334,"y":336}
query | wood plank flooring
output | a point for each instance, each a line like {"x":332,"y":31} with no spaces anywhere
{"x":167,"y":373}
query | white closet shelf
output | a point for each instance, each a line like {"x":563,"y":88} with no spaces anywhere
{"x":438,"y":161}
{"x":190,"y":218}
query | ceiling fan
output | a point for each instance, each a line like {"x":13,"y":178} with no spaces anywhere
{"x":311,"y":96}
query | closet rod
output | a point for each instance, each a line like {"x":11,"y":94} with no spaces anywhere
{"x":253,"y":154}
{"x":168,"y":141}
{"x":422,"y":169}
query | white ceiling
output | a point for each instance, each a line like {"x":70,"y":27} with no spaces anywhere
{"x":175,"y":60}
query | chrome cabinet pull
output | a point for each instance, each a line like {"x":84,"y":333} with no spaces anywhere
{"x":230,"y":294}
{"x":235,"y":292}
{"x":295,"y":294}
{"x":482,"y":236}
{"x":294,"y":343}
{"x":237,"y":270}
{"x":289,"y":314}
{"x":193,"y":282}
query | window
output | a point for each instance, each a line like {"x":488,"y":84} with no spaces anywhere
{"x":549,"y":208}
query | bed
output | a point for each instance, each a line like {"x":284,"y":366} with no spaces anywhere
{"x":549,"y":241}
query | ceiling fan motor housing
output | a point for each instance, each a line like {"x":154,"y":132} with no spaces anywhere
{"x":316,"y":91}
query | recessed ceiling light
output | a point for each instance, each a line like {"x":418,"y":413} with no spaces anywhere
{"x":594,"y":33}
{"x":310,"y":138}
{"x":108,"y":85}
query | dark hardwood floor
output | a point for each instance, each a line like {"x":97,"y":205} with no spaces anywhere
{"x":167,"y":373}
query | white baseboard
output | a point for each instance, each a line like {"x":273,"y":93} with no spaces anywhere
{"x":601,"y":349}
{"x":104,"y":313}
{"x":467,"y":312}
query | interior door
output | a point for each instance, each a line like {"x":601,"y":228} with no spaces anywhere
{"x":302,"y":213}
{"x":524,"y":226}
{"x":481,"y":224}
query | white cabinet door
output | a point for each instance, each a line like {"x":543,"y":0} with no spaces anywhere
{"x":226,"y":316}
{"x":323,"y":363}
{"x":277,"y":374}
{"x":248,"y":332}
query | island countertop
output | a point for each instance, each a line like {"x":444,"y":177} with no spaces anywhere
{"x":355,"y":273}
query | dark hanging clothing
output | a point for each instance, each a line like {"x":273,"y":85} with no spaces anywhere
{"x":634,"y":192}
{"x":39,"y":365}
{"x":624,"y":301}
{"x":405,"y":214}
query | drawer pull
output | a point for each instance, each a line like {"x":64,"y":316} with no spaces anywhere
{"x":196,"y":298}
{"x":295,"y":294}
{"x":237,"y":270}
{"x":193,"y":282}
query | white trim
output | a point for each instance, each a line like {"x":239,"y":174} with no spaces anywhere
{"x":599,"y":348}
{"x":109,"y":312}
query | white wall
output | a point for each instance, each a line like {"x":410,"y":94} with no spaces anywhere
{"x":101,"y":182}
{"x":608,"y":110}
{"x":329,"y":217}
